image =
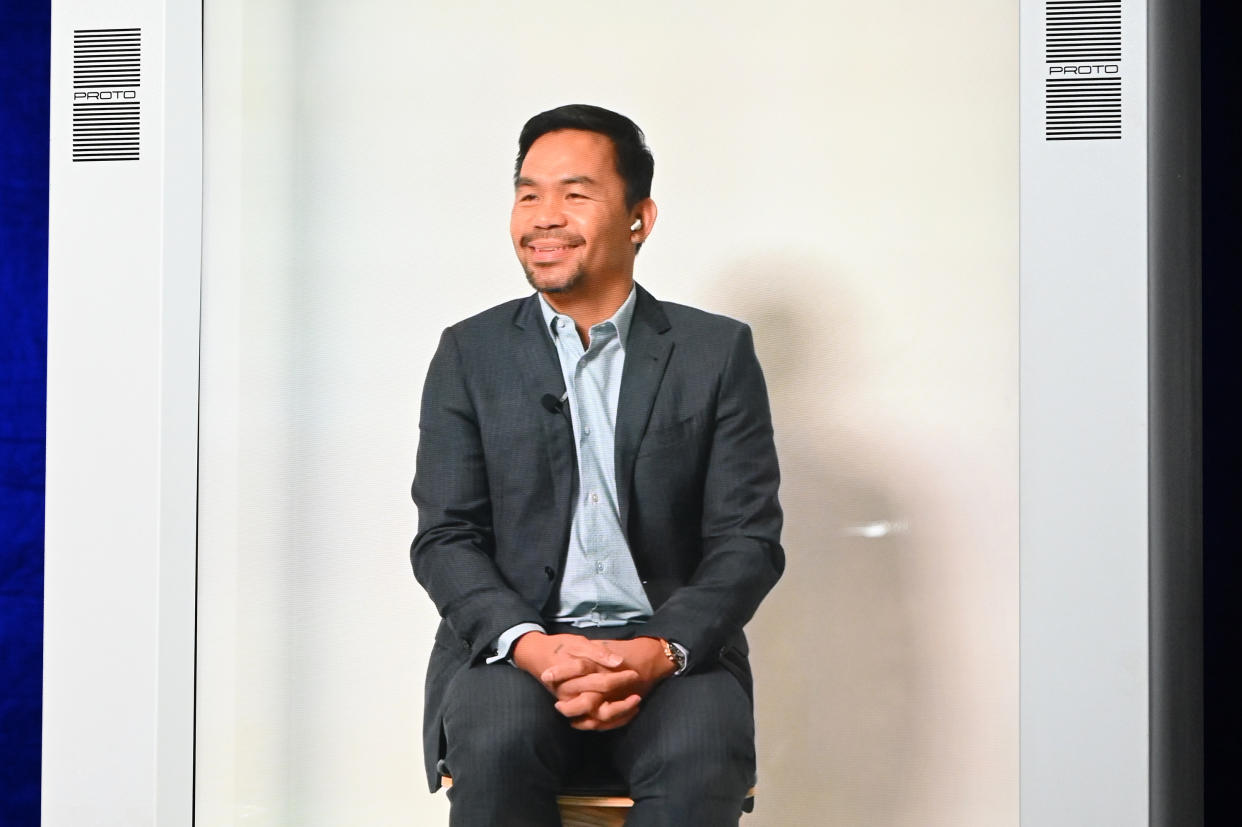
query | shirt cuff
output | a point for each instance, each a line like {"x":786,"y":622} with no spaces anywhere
{"x":509,"y":637}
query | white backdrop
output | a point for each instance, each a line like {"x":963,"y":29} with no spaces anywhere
{"x":844,"y":177}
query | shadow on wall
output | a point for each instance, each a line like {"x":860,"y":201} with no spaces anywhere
{"x":833,"y":645}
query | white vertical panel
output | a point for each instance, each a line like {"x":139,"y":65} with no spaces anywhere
{"x":247,"y":487}
{"x":1084,"y":437}
{"x":121,"y":456}
{"x":181,"y":240}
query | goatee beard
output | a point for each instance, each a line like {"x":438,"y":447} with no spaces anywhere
{"x":572,"y":282}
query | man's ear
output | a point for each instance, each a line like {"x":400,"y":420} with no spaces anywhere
{"x":644,"y":215}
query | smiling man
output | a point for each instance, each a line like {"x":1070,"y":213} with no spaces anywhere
{"x":598,"y":516}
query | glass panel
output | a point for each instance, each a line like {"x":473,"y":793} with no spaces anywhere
{"x":842,"y":176}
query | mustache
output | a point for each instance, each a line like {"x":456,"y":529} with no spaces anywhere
{"x":562,"y":236}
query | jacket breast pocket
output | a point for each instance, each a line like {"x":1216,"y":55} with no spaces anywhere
{"x":671,"y":437}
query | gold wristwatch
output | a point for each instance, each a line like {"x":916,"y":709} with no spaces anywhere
{"x":675,"y":656}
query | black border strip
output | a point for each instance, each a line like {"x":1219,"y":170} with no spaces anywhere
{"x":1175,"y":387}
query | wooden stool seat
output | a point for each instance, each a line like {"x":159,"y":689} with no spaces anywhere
{"x":598,"y":804}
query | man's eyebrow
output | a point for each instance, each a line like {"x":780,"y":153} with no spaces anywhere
{"x":571,"y":180}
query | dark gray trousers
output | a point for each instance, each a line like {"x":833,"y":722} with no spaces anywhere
{"x":688,"y":756}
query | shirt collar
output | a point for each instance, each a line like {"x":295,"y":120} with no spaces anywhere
{"x":621,"y":319}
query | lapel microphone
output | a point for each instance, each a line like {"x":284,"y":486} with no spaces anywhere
{"x":553,"y":405}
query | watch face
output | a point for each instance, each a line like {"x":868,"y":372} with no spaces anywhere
{"x":676,"y":655}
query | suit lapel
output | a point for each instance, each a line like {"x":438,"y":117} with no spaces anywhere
{"x":646,"y":356}
{"x":541,"y":373}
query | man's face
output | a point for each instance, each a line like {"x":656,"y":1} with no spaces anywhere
{"x":569,"y":225}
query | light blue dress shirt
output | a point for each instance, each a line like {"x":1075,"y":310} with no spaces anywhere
{"x":600,"y":585}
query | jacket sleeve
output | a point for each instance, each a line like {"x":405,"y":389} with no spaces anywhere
{"x":741,"y":519}
{"x":453,"y":552}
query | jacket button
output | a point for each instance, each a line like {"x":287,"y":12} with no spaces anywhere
{"x":465,"y":644}
{"x":550,"y":572}
{"x":723,"y":649}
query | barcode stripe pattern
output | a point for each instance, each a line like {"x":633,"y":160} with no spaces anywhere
{"x":1083,"y":51}
{"x":1073,"y":25}
{"x":111,"y":59}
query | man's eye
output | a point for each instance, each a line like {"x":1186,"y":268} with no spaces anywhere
{"x":575,"y":195}
{"x":530,"y":196}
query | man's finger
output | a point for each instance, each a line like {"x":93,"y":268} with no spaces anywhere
{"x":618,"y":720}
{"x":578,"y":662}
{"x":605,"y":683}
{"x":610,"y":711}
{"x":617,"y":723}
{"x":567,"y":670}
{"x":580,"y":705}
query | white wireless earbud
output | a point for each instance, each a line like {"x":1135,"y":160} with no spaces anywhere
{"x":637,"y":225}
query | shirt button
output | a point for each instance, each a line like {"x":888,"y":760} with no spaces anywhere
{"x":586,"y":431}
{"x":594,"y":497}
{"x":599,"y":568}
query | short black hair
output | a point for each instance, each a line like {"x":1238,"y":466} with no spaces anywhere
{"x":634,"y":162}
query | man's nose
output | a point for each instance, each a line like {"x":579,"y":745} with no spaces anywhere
{"x":549,"y":215}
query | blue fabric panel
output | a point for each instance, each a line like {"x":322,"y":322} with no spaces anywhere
{"x":25,"y":46}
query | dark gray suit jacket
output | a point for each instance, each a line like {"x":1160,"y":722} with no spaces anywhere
{"x":497,"y":479}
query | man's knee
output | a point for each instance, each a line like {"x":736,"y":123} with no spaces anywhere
{"x":498,"y":718}
{"x":698,"y":735}
{"x":695,"y":766}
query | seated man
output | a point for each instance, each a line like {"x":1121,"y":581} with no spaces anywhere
{"x":598,"y":516}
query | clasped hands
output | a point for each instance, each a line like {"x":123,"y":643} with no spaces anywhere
{"x":598,"y":684}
